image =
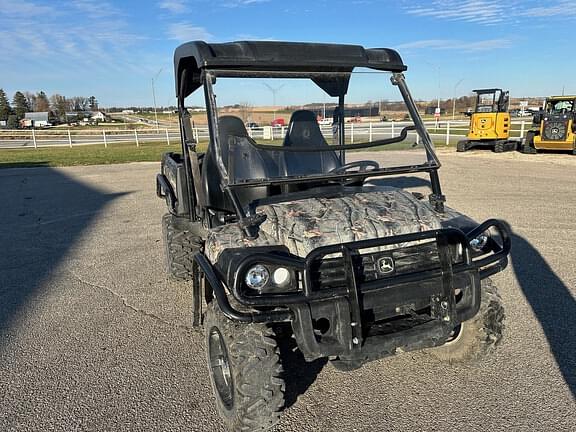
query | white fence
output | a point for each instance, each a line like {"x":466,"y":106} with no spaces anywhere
{"x":445,"y":132}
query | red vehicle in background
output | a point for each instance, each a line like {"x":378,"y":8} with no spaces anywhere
{"x":278,"y":122}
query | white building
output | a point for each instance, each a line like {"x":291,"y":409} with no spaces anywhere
{"x":35,"y":119}
{"x":98,"y":116}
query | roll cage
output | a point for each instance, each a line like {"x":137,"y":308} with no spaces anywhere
{"x":198,"y":64}
{"x":554,"y":104}
{"x":499,"y":100}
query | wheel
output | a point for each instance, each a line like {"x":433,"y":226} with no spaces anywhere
{"x":499,"y":147}
{"x":245,"y":371}
{"x":462,"y":146}
{"x":180,"y":244}
{"x":528,"y":145}
{"x":474,"y":339}
{"x":511,"y":146}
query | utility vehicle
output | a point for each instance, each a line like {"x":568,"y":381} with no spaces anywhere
{"x":309,"y":238}
{"x":490,"y":123}
{"x":554,"y":127}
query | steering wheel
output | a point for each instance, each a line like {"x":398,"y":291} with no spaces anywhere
{"x":361,"y":165}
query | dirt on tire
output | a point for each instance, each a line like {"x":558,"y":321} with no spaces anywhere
{"x":479,"y":336}
{"x":254,"y":363}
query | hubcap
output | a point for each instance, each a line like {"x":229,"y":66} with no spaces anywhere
{"x":220,"y":367}
{"x":455,"y":334}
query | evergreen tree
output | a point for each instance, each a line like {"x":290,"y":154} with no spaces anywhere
{"x":20,"y":105}
{"x":42,"y":103}
{"x":5,"y":109}
{"x":12,"y":122}
{"x":93,"y":103}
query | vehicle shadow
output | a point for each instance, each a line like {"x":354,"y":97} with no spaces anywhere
{"x":552,"y":303}
{"x":44,"y":214}
{"x":299,"y":374}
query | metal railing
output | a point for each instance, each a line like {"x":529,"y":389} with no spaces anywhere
{"x":443,"y":132}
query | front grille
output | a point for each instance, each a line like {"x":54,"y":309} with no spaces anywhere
{"x":330,"y":273}
{"x":555,"y":130}
{"x":406,"y":260}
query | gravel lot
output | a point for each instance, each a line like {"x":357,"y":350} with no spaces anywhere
{"x":94,"y":338}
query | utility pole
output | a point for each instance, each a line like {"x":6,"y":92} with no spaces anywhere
{"x":154,"y":97}
{"x":274,"y":90}
{"x":438,"y":103}
{"x":454,"y":98}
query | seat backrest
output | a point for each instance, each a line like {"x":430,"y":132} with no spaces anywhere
{"x":304,"y":131}
{"x":241,"y":159}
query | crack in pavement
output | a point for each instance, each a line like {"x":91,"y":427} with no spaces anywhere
{"x":132,"y":307}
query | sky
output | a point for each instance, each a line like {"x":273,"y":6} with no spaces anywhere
{"x":113,"y":50}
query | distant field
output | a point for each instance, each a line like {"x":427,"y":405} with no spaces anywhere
{"x":86,"y":155}
{"x":121,"y":153}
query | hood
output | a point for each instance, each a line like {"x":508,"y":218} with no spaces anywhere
{"x":307,"y":224}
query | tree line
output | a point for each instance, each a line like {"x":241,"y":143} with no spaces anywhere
{"x":56,"y":105}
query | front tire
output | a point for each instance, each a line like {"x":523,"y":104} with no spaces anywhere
{"x":245,"y":371}
{"x":528,"y":146}
{"x":479,"y":336}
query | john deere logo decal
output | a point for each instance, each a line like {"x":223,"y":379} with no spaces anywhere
{"x":386,"y":265}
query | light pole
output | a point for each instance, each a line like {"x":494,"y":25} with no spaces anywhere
{"x":274,"y":91}
{"x":454,"y":98}
{"x":438,"y":103}
{"x":154,"y":97}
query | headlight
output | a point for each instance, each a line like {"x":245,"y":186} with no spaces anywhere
{"x":479,"y":243}
{"x":281,"y":276}
{"x":257,"y":277}
{"x":271,"y":279}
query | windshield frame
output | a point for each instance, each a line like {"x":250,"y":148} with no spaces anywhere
{"x":397,"y":79}
{"x":550,"y":103}
{"x":491,"y":107}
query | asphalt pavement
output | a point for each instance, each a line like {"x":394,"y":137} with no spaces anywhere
{"x":93,"y":337}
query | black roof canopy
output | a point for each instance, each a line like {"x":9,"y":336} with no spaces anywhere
{"x":487,"y":90}
{"x":190,"y":58}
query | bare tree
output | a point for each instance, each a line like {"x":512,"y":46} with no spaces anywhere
{"x":42,"y":103}
{"x":245,"y":111}
{"x":59,"y":105}
{"x":30,"y":100}
{"x":79,"y":103}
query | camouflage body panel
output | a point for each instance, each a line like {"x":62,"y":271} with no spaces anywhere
{"x":307,"y":224}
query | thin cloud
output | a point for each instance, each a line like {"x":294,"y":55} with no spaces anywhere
{"x":78,"y":38}
{"x":475,"y":11}
{"x":174,"y":6}
{"x":240,"y":3}
{"x":457,"y":45}
{"x":490,"y":12}
{"x":184,"y":32}
{"x":96,"y":10}
{"x":562,"y":8}
{"x":15,"y":8}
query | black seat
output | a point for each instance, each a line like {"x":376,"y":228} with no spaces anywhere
{"x":242,"y":161}
{"x":304,"y":131}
